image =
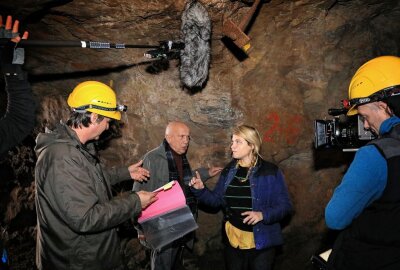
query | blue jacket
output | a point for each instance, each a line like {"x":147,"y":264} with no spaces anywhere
{"x":363,"y":183}
{"x":269,"y":196}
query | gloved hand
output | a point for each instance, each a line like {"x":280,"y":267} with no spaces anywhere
{"x":10,"y":54}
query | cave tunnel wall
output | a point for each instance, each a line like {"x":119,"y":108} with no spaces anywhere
{"x":302,"y":57}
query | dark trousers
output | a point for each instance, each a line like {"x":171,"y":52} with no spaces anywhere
{"x":164,"y":259}
{"x":169,"y":257}
{"x":249,"y":259}
{"x":350,"y":253}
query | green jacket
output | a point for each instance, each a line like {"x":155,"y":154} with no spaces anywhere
{"x":77,"y":215}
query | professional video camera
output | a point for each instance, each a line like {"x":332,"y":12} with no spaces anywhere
{"x":347,"y":133}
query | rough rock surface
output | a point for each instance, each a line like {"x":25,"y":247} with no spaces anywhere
{"x":302,"y":57}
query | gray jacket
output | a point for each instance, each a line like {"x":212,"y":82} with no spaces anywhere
{"x":77,"y":215}
{"x":156,"y":162}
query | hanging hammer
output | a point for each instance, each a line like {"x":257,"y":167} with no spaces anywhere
{"x":236,"y":33}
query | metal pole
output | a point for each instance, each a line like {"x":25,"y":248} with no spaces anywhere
{"x":77,"y":43}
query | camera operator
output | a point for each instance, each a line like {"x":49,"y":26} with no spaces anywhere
{"x":365,"y":206}
{"x":19,"y":118}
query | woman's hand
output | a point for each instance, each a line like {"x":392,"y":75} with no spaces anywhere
{"x":196,"y":182}
{"x":252,"y":217}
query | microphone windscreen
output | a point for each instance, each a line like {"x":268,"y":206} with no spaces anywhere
{"x":195,"y":57}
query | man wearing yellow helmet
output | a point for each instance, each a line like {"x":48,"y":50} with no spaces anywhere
{"x":367,"y":202}
{"x":77,"y":213}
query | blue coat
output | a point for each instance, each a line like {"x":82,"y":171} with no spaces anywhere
{"x":363,"y":183}
{"x":269,"y":196}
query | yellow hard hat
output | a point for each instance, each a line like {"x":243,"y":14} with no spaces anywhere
{"x":374,"y":81}
{"x":96,"y":97}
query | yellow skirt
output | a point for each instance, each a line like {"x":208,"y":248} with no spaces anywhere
{"x":238,"y":238}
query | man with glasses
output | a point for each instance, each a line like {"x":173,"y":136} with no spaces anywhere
{"x":167,"y":163}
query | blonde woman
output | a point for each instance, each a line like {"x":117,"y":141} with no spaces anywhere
{"x":253,"y":195}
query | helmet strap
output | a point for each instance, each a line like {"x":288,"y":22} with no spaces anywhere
{"x":84,"y":108}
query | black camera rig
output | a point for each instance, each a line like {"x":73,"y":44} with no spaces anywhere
{"x":347,"y":132}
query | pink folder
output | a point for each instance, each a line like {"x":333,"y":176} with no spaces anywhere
{"x":168,"y":218}
{"x":168,"y":199}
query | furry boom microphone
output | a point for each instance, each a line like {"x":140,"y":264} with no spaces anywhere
{"x":195,"y":57}
{"x":194,"y":52}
